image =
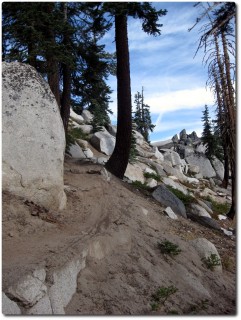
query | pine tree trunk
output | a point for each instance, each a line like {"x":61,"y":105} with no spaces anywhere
{"x":221,"y":123}
{"x":230,"y":127}
{"x":226,"y":170}
{"x":228,"y":76}
{"x":232,"y":210}
{"x":65,"y":99}
{"x":119,"y":159}
{"x":53,"y":76}
{"x":32,"y":59}
{"x":31,"y":56}
{"x":66,"y":94}
{"x":52,"y":62}
{"x":232,"y":124}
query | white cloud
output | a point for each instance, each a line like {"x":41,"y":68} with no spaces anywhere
{"x":180,"y":99}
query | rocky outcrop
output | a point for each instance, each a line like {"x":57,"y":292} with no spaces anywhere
{"x":167,"y":198}
{"x":178,"y":165}
{"x":205,"y":167}
{"x":33,"y":137}
{"x":171,"y":156}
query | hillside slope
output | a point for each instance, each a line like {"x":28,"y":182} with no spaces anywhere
{"x":119,"y":228}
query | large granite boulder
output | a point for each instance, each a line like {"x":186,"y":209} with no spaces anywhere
{"x":218,"y":167}
{"x":168,"y":199}
{"x":33,"y":137}
{"x":198,"y":210}
{"x":103,"y":141}
{"x":87,"y":116}
{"x":205,"y":249}
{"x":76,"y":117}
{"x":134,"y":172}
{"x":171,"y":156}
{"x":205,"y":167}
{"x":76,"y":151}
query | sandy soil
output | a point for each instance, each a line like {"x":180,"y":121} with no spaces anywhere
{"x":130,"y":224}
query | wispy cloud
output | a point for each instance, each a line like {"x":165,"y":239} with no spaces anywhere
{"x":181,"y":99}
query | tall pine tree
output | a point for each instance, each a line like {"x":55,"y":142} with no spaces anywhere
{"x":207,"y":135}
{"x":60,"y":39}
{"x":121,"y":10}
{"x":142,"y":116}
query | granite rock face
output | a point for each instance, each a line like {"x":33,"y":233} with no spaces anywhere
{"x":33,"y":137}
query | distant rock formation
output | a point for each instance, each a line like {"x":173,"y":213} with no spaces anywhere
{"x":33,"y":137}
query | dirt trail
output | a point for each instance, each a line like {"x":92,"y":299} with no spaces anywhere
{"x":124,"y":267}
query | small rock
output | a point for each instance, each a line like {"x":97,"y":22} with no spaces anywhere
{"x":105,"y":174}
{"x":88,"y":153}
{"x":222,"y":217}
{"x":170,"y":213}
{"x":144,"y":211}
{"x":11,"y":234}
{"x":228,"y":233}
{"x":34,"y":213}
{"x":220,"y":194}
{"x":151,"y":183}
{"x":102,"y":160}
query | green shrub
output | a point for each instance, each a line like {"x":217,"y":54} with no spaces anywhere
{"x":133,"y":151}
{"x":161,"y":295}
{"x":167,"y":247}
{"x":139,"y":185}
{"x":217,"y":207}
{"x":212,"y":261}
{"x":74,"y":134}
{"x":185,"y":198}
{"x":196,"y":307}
{"x":152,"y":175}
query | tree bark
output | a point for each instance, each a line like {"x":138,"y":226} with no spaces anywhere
{"x":230,"y":127}
{"x":31,"y":56}
{"x":232,"y":124}
{"x":119,"y":159}
{"x":52,"y":62}
{"x":66,"y":94}
{"x":223,"y":132}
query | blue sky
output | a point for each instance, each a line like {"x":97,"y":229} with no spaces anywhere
{"x":174,"y":81}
